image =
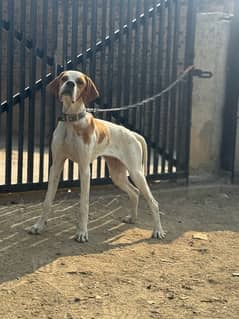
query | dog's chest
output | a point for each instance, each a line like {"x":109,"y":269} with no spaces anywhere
{"x":71,"y":143}
{"x":74,"y":141}
{"x":68,"y":136}
{"x":80,"y":142}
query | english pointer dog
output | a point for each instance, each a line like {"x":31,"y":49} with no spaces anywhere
{"x":82,"y":138}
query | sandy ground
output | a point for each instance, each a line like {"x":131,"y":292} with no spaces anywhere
{"x":121,"y":272}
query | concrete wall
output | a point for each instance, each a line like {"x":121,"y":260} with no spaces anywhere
{"x":226,"y":6}
{"x":211,"y":47}
{"x":236,"y":162}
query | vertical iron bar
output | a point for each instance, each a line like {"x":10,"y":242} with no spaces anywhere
{"x":64,"y":7}
{"x":174,"y":90}
{"x":102,"y":57}
{"x":180,"y":127}
{"x":144,"y":60}
{"x":74,"y":28}
{"x":43,"y":89}
{"x":158,"y":102}
{"x":151,"y":85}
{"x":136,"y":61}
{"x":120,"y":55}
{"x":144,"y":69}
{"x":110,"y":58}
{"x":189,"y":59}
{"x":84,"y":33}
{"x":153,"y":50}
{"x":73,"y":61}
{"x":93,"y":38}
{"x":65,"y":33}
{"x":22,"y":87}
{"x":102,"y":68}
{"x":110,"y":74}
{"x":53,"y":33}
{"x":127,"y":74}
{"x":31,"y":115}
{"x":166,"y":113}
{"x":10,"y":60}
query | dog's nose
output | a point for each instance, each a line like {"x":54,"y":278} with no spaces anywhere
{"x":70,"y":84}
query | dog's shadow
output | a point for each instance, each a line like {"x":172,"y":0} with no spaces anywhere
{"x":22,"y":253}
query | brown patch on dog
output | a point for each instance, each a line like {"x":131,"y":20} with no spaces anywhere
{"x":54,"y":85}
{"x":102,"y":131}
{"x":90,"y":92}
{"x":85,"y":132}
{"x":80,"y":81}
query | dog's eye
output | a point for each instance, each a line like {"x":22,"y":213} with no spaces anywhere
{"x":64,"y":78}
{"x":79,"y":81}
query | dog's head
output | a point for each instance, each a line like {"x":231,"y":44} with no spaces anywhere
{"x":73,"y":86}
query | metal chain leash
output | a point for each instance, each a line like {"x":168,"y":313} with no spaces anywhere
{"x":147,"y":100}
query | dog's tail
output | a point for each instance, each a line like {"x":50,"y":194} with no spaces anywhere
{"x":145,"y":151}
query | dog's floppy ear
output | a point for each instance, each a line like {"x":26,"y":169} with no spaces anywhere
{"x":53,"y":86}
{"x":90,"y":92}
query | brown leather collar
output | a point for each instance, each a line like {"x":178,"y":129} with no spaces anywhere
{"x":64,"y":117}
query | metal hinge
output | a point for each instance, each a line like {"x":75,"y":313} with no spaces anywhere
{"x":202,"y":74}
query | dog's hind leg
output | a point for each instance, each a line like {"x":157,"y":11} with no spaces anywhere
{"x":141,"y":183}
{"x":118,"y":173}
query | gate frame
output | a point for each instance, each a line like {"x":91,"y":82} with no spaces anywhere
{"x":230,"y":114}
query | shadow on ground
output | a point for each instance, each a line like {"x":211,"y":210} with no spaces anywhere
{"x":21,"y":253}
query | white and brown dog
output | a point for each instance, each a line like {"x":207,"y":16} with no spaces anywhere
{"x":82,"y":138}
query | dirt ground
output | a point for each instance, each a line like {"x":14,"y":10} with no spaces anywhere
{"x":121,"y":272}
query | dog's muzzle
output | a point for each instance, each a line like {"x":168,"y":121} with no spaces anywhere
{"x":68,"y":88}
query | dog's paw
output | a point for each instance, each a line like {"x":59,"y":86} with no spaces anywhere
{"x":37,"y":228}
{"x":81,"y":237}
{"x":128,"y":219}
{"x":158,"y":234}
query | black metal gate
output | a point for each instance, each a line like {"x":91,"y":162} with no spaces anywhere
{"x":132,"y":49}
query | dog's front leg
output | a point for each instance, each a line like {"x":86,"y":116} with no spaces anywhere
{"x":54,"y":177}
{"x":82,"y":232}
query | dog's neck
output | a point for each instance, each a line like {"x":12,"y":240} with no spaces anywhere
{"x":72,"y":108}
